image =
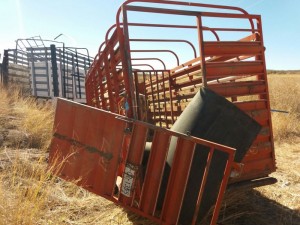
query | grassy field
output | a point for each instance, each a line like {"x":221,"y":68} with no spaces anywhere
{"x":29,"y":195}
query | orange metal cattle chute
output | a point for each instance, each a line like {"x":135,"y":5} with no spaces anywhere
{"x":169,"y":123}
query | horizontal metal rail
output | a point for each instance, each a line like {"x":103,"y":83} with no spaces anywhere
{"x":144,"y":188}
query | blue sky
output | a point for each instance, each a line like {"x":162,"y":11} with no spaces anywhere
{"x":84,"y":24}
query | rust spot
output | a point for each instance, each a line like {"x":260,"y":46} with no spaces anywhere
{"x":91,"y":149}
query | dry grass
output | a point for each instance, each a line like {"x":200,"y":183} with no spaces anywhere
{"x":30,"y":195}
{"x":34,"y":119}
{"x":284,"y":95}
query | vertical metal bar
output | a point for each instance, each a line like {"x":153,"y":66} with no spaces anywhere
{"x":165,"y":102}
{"x":110,"y":86}
{"x":153,"y":101}
{"x":54,"y":70}
{"x":135,"y":154}
{"x":96,"y":86}
{"x":64,"y":70}
{"x":100,"y":77}
{"x":137,"y":93}
{"x":128,"y":65}
{"x":47,"y":71}
{"x":68,"y":72}
{"x":154,"y":172}
{"x":146,"y":96}
{"x":259,"y":26}
{"x":78,"y":78}
{"x":202,"y":186}
{"x":113,"y":68}
{"x":171,"y":97}
{"x":222,"y":189}
{"x":33,"y":74}
{"x":178,"y":180}
{"x":62,"y":81}
{"x":158,"y":99}
{"x":201,"y":47}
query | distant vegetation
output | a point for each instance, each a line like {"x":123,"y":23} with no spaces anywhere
{"x":283,"y":72}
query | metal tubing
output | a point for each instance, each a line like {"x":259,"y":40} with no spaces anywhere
{"x":54,"y":71}
{"x":167,"y":40}
{"x":201,"y":46}
{"x":162,"y":62}
{"x":165,"y":50}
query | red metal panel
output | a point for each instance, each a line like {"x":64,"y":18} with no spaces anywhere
{"x":223,"y":48}
{"x":177,"y":181}
{"x":154,"y":172}
{"x":221,"y":69}
{"x":94,"y":148}
{"x":99,"y":142}
{"x":134,"y":158}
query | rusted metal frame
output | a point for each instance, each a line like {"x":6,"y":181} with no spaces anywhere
{"x":133,"y":65}
{"x":110,"y":86}
{"x":201,"y":46}
{"x":146,"y":96}
{"x":136,"y":82}
{"x":222,"y":189}
{"x":90,"y":87}
{"x":152,"y":93}
{"x":262,"y":57}
{"x":157,"y":86}
{"x":230,"y":15}
{"x":140,"y":145}
{"x":154,"y":172}
{"x":158,"y":50}
{"x":113,"y":70}
{"x":227,"y":69}
{"x":133,"y":209}
{"x":191,"y":13}
{"x":189,"y":83}
{"x":202,"y":186}
{"x":189,"y":4}
{"x":164,"y":91}
{"x":177,"y":182}
{"x":236,"y":48}
{"x":188,"y":63}
{"x":185,"y":85}
{"x":200,"y":141}
{"x":176,"y":26}
{"x":134,"y":158}
{"x":167,"y":40}
{"x":162,"y":62}
{"x":127,"y":67}
{"x":155,"y":25}
{"x":228,"y":29}
{"x":125,"y":71}
{"x":100,"y":77}
{"x":171,"y":97}
{"x":176,"y":75}
{"x":97,"y":85}
{"x":253,"y":86}
{"x":87,"y":93}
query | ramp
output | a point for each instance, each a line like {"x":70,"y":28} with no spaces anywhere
{"x":92,"y":147}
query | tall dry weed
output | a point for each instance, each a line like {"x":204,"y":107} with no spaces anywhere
{"x":285,"y":95}
{"x":4,"y":102}
{"x":35,"y":119}
{"x":24,"y":190}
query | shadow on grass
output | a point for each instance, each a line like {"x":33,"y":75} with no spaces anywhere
{"x":253,"y":208}
{"x":244,"y":208}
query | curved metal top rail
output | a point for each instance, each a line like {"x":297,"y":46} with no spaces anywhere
{"x":192,"y":4}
